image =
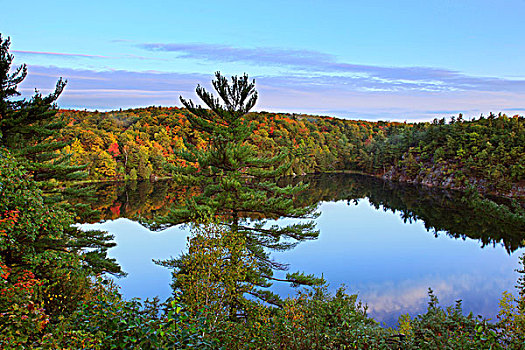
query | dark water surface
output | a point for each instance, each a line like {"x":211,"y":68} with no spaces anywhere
{"x":387,"y":242}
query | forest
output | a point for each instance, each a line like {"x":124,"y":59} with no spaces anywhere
{"x":487,"y":153}
{"x":54,"y":287}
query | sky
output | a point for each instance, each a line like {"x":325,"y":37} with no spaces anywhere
{"x":387,"y":60}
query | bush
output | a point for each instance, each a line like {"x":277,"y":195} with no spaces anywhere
{"x":448,"y":328}
{"x":107,"y":321}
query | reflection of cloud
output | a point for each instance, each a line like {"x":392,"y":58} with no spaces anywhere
{"x":405,"y":297}
{"x":324,"y":95}
{"x":386,"y":301}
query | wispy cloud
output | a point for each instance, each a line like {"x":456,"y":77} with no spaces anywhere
{"x":79,"y":55}
{"x":326,"y":69}
{"x":54,"y":54}
{"x":316,"y":94}
{"x":113,"y":89}
{"x":121,"y":41}
{"x":223,"y":53}
{"x":143,"y":58}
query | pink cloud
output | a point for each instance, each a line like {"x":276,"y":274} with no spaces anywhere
{"x":334,"y":96}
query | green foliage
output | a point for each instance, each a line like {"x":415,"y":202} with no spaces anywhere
{"x":28,"y":127}
{"x":215,"y":274}
{"x":133,"y":174}
{"x":37,"y":235}
{"x":486,"y":153}
{"x":448,"y":328}
{"x":238,"y":183}
{"x":44,"y":262}
{"x":319,"y":320}
{"x":47,"y":298}
{"x":512,"y":313}
{"x":106,"y":321}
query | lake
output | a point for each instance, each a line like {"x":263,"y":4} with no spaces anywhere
{"x":386,"y":242}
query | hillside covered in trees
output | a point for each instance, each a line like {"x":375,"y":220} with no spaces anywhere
{"x":53,"y":293}
{"x":54,"y":287}
{"x":487,"y":153}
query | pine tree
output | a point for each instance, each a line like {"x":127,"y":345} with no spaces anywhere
{"x":33,"y":232}
{"x":28,"y":126}
{"x":27,"y":130}
{"x":238,"y":183}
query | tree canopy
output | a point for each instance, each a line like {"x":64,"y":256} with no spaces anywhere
{"x":238,"y":184}
{"x":28,"y":126}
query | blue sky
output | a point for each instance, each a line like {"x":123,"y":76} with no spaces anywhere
{"x":390,"y":60}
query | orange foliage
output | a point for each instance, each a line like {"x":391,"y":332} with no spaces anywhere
{"x":114,"y":150}
{"x":8,"y":220}
{"x":115,"y":210}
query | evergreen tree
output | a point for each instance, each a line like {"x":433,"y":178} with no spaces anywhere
{"x":27,"y":130}
{"x":238,"y":184}
{"x":28,"y":126}
{"x":42,"y":236}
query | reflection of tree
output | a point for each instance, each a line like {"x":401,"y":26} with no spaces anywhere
{"x":441,"y":211}
{"x":236,"y":182}
{"x":459,"y":215}
{"x":215,"y":273}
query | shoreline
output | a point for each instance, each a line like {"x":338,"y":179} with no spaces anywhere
{"x":517,"y":193}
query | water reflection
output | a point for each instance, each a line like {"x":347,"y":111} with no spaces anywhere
{"x":391,"y":264}
{"x":374,"y":238}
{"x":448,"y":212}
{"x":135,"y":249}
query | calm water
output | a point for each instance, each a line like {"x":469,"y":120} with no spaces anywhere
{"x":388,"y":243}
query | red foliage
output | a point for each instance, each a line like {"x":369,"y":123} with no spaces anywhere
{"x":4,"y":271}
{"x":113,"y":149}
{"x":25,"y":282}
{"x":115,"y":210}
{"x":8,"y":220}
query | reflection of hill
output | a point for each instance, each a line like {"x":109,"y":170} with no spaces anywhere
{"x":132,"y":199}
{"x":457,"y":214}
